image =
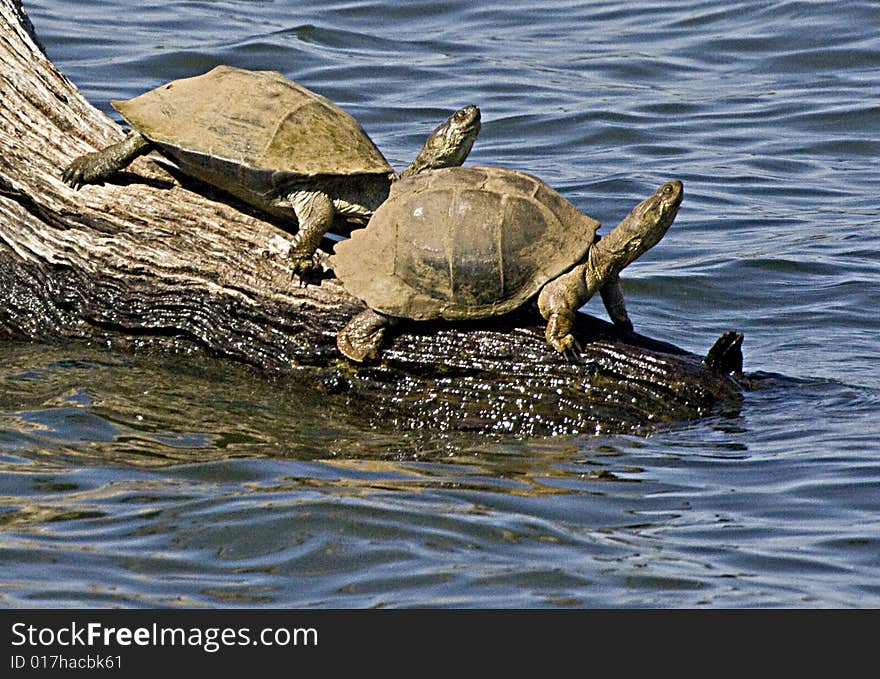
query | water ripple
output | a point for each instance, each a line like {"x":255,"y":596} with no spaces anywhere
{"x":131,"y":481}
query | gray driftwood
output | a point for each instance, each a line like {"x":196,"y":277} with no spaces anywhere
{"x":145,"y":261}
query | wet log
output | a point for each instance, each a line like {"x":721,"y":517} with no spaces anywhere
{"x":150,"y":261}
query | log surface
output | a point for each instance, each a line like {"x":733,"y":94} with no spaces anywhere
{"x":147,"y":261}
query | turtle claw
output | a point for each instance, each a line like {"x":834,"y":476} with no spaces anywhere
{"x":73,"y":176}
{"x":568,"y":346}
{"x":305,"y":269}
{"x":81,"y":171}
{"x":573,"y":353}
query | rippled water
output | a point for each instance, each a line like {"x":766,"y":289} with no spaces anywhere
{"x":144,"y":480}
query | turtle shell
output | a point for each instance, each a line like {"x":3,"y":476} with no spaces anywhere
{"x":461,"y":243}
{"x":251,"y":127}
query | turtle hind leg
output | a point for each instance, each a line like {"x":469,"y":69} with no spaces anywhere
{"x":362,"y":337}
{"x":93,"y":168}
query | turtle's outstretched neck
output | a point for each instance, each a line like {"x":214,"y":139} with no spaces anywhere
{"x":449,"y":144}
{"x":639,"y":231}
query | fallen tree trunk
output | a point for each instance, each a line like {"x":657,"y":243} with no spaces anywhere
{"x":144,"y":261}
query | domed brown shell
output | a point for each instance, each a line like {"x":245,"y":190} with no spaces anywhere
{"x":252,"y":127}
{"x":462,"y":243}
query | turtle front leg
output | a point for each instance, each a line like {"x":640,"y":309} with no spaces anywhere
{"x":558,"y":301}
{"x":612,"y":296}
{"x":94,"y":167}
{"x":362,"y":337}
{"x":314,"y":212}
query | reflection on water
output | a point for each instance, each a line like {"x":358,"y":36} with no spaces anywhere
{"x":238,"y":490}
{"x":141,"y":480}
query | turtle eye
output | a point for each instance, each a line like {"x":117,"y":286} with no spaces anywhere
{"x":465,"y":113}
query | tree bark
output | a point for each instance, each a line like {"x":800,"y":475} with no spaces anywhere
{"x":147,"y":261}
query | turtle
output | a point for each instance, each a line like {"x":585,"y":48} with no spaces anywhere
{"x":272,"y":143}
{"x":473,"y":242}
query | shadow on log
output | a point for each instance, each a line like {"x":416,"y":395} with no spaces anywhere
{"x":144,"y":261}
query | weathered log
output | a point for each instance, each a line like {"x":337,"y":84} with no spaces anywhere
{"x":146,"y":261}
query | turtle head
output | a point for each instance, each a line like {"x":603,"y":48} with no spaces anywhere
{"x":449,"y":144}
{"x":653,"y":216}
{"x":639,"y":231}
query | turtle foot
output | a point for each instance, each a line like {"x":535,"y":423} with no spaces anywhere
{"x":356,"y":351}
{"x":568,"y":346}
{"x":624,"y":326}
{"x":87,"y":169}
{"x":558,"y":334}
{"x":305,"y":269}
{"x":358,"y":347}
{"x":362,"y":338}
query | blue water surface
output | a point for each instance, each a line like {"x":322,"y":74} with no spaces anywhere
{"x":178,"y":481}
